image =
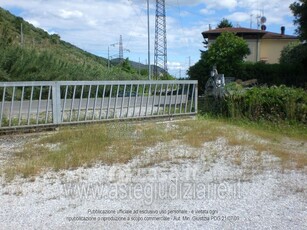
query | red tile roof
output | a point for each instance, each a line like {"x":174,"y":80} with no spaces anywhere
{"x":234,"y":30}
{"x":246,"y":31}
{"x":271,"y":35}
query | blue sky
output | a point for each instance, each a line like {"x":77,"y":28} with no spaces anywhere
{"x":95,"y":24}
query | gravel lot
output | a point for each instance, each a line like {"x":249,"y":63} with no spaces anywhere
{"x":168,"y":187}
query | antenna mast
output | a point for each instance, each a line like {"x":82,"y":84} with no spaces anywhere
{"x":160,"y":54}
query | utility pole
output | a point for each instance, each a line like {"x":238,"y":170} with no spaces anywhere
{"x":109,"y":61}
{"x":21,"y":35}
{"x":160,"y":39}
{"x":251,"y":21}
{"x":139,"y":66}
{"x":108,"y":57}
{"x":121,"y":48}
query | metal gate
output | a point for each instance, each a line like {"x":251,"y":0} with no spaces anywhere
{"x":31,"y":104}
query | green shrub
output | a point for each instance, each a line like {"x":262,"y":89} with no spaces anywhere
{"x":274,"y":104}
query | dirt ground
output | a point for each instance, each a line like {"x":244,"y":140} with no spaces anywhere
{"x":169,"y":186}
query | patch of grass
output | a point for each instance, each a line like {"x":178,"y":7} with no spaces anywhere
{"x":284,"y":140}
{"x":84,"y":146}
{"x":270,"y":130}
{"x":119,"y":142}
{"x":196,"y":132}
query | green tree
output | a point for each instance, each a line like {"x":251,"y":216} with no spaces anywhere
{"x":224,"y":23}
{"x":5,"y":37}
{"x":200,"y":71}
{"x":227,"y":53}
{"x":299,"y":10}
{"x":294,"y":53}
{"x":55,"y":38}
{"x":126,"y":66}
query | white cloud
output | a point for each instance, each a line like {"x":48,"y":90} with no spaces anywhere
{"x":226,"y":4}
{"x":34,"y":23}
{"x":69,"y":14}
{"x":99,"y":22}
{"x":239,"y":17}
{"x":174,"y":65}
{"x":206,"y":11}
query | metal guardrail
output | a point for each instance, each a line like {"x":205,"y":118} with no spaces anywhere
{"x":31,"y":104}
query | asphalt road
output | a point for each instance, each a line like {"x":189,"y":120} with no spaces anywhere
{"x":35,"y":106}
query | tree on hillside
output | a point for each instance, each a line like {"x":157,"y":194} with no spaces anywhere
{"x":299,"y":10}
{"x":5,"y":37}
{"x":227,"y":53}
{"x":224,"y":23}
{"x":126,"y":66}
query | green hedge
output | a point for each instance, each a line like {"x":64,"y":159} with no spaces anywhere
{"x":274,"y":74}
{"x":262,"y":103}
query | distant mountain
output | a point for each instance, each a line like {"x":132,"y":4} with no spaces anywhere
{"x":30,"y":53}
{"x":137,"y":66}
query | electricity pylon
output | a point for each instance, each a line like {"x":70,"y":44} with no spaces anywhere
{"x":160,"y":54}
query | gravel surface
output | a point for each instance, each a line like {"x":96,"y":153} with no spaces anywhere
{"x":168,"y":187}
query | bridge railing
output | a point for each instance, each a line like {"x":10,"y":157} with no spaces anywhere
{"x":30,"y":104}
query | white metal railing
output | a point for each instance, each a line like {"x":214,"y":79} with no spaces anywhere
{"x":30,"y":104}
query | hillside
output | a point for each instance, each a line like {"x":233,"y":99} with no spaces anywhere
{"x":36,"y":55}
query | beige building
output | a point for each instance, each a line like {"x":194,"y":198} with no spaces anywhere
{"x":264,"y":46}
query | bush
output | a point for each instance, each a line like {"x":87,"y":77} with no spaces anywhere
{"x":274,"y":104}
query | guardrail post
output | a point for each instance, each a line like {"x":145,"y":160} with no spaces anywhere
{"x":56,"y":103}
{"x":196,"y":97}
